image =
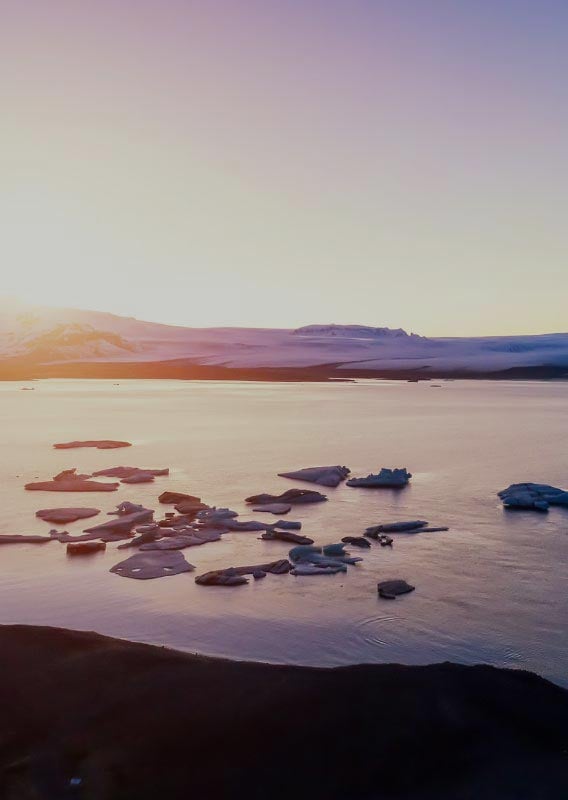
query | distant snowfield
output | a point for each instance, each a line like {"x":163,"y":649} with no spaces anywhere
{"x":45,"y":336}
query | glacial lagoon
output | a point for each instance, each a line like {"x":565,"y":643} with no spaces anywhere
{"x":491,"y":589}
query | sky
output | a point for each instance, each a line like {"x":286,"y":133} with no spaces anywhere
{"x":282,"y":162}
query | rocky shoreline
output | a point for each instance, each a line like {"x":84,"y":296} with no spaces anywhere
{"x":88,"y":716}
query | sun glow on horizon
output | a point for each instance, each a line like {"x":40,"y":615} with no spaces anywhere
{"x":274,"y":166}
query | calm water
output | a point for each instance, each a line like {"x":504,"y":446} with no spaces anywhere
{"x":492,"y":589}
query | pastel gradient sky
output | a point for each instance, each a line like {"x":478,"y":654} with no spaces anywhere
{"x":275,"y":163}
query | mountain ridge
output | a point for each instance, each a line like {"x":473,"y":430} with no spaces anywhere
{"x":47,"y":337}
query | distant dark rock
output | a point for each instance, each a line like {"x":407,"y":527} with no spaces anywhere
{"x":100,"y":444}
{"x":84,"y":548}
{"x":389,"y":590}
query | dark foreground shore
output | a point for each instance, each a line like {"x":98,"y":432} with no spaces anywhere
{"x":132,"y":721}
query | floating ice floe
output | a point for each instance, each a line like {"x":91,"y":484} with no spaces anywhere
{"x":131,"y":474}
{"x":324,"y":476}
{"x":413,"y":526}
{"x":70,"y":481}
{"x":285,"y":536}
{"x":537,"y":496}
{"x":386,"y":478}
{"x":190,"y":506}
{"x":248,"y":525}
{"x":181,"y":540}
{"x":356,"y":541}
{"x":128,"y":516}
{"x":17,"y":538}
{"x":291,"y":497}
{"x":171,"y":498}
{"x":307,"y":568}
{"x":274,"y":508}
{"x":235,"y":576}
{"x":62,"y":516}
{"x":214,"y":515}
{"x":314,"y":560}
{"x":396,"y":527}
{"x":145,"y":566}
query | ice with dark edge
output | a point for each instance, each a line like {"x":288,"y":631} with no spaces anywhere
{"x":273,"y":508}
{"x":129,"y":472}
{"x":533,"y":496}
{"x":19,"y":538}
{"x":396,"y":527}
{"x":62,"y":516}
{"x":171,"y":498}
{"x":236,"y":576}
{"x":356,"y":541}
{"x":180,"y":539}
{"x":291,"y":496}
{"x":385,"y":479}
{"x":145,"y":566}
{"x":70,"y":481}
{"x":128,"y":516}
{"x":286,"y":536}
{"x":324,"y":476}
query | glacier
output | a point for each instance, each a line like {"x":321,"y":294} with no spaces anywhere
{"x":49,"y":336}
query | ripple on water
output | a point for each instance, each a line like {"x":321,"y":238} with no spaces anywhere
{"x":371,"y":629}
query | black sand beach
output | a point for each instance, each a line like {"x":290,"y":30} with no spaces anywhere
{"x":133,"y":721}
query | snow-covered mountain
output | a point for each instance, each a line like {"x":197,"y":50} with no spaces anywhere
{"x":37,"y":335}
